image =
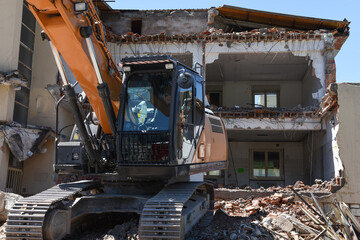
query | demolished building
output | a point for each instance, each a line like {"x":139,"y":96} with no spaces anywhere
{"x":267,"y":76}
{"x":270,"y":76}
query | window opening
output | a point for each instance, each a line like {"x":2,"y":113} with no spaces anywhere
{"x":266,"y":164}
{"x":215,"y":98}
{"x":136,"y":25}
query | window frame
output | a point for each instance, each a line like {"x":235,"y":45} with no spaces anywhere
{"x":134,"y":24}
{"x":281,"y":154}
{"x":207,"y":175}
{"x":266,"y":92}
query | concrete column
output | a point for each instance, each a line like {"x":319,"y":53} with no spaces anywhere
{"x":4,"y":162}
{"x":7,"y":99}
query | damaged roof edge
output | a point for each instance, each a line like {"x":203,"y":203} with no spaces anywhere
{"x":283,"y":20}
{"x":102,"y":5}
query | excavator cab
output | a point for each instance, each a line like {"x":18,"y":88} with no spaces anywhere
{"x":159,"y":123}
{"x":161,"y":116}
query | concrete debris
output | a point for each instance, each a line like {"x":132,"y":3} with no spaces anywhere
{"x":13,"y":78}
{"x":224,"y":226}
{"x":23,"y":142}
{"x":264,"y":112}
{"x":320,"y":187}
{"x":214,"y":35}
{"x":7,"y":200}
{"x":329,"y":103}
{"x":288,"y":219}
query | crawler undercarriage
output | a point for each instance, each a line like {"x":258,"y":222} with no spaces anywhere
{"x":168,"y":214}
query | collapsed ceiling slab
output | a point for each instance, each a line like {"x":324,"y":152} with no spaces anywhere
{"x":23,"y":142}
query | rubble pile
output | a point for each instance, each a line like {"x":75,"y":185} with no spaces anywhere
{"x":281,"y":217}
{"x":224,"y":226}
{"x":319,"y":186}
{"x":7,"y":200}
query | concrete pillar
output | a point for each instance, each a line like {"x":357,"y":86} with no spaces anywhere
{"x":7,"y":98}
{"x":4,"y":162}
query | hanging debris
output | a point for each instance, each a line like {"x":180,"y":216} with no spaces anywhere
{"x":13,"y":78}
{"x":23,"y":142}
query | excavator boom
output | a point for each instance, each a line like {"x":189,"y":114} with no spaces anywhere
{"x":62,"y":23}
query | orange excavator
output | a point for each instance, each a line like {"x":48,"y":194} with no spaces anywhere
{"x":146,"y":134}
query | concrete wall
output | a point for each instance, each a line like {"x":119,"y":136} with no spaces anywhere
{"x":38,"y":171}
{"x":7,"y":99}
{"x":348,"y":139}
{"x":239,"y":153}
{"x":155,"y":22}
{"x":240,"y":93}
{"x":42,"y":103}
{"x":310,"y":86}
{"x":119,"y":51}
{"x":10,"y":28}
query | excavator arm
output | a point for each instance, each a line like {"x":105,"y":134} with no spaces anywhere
{"x":73,"y":33}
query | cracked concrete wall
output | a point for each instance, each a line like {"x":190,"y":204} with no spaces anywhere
{"x":119,"y":51}
{"x":348,"y":139}
{"x":10,"y":27}
{"x":154,"y":22}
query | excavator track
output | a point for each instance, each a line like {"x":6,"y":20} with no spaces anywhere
{"x":26,"y":218}
{"x":163,"y":217}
